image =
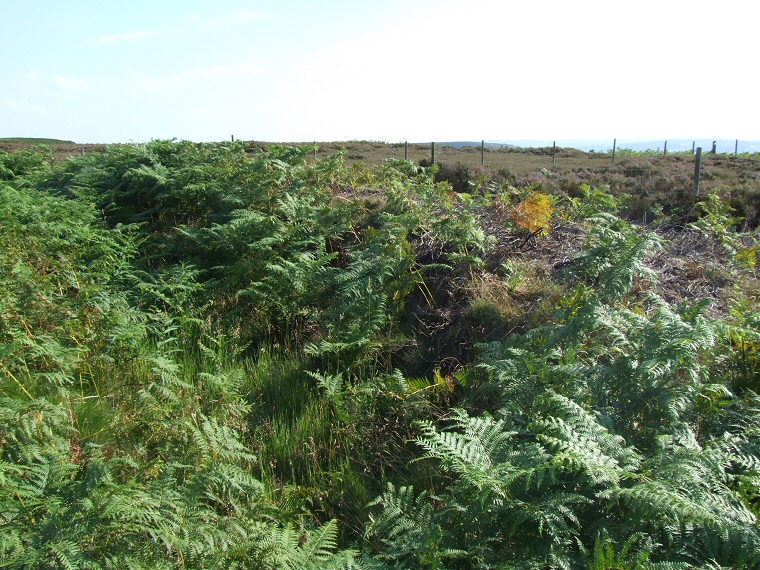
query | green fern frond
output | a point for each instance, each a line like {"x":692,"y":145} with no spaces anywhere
{"x":408,"y":530}
{"x":614,"y":257}
{"x":577,"y":441}
{"x":482,"y":440}
{"x":318,"y":551}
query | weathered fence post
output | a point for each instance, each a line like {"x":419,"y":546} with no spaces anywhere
{"x":614,"y":146}
{"x":482,"y":152}
{"x":714,"y":148}
{"x":432,"y":153}
{"x":697,"y":164}
{"x":693,"y":146}
{"x":736,"y":148}
{"x":664,"y":152}
{"x":406,"y":150}
{"x":315,"y":149}
{"x":232,"y":138}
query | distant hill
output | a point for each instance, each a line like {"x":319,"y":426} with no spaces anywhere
{"x":26,"y":140}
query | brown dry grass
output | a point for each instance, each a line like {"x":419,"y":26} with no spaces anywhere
{"x":517,"y":161}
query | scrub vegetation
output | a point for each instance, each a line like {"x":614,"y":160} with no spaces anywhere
{"x":225,"y":355}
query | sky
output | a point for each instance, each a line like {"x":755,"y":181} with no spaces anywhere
{"x":105,"y":71}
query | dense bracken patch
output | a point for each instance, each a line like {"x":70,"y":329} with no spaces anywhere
{"x":219,"y":356}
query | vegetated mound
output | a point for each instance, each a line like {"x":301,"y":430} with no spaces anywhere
{"x":526,"y":273}
{"x":687,"y":266}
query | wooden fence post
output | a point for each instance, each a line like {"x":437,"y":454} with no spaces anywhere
{"x":482,"y":152}
{"x":693,"y":146}
{"x":664,"y":152}
{"x":432,"y":153}
{"x":406,"y":150}
{"x":714,"y":148}
{"x":736,"y":148}
{"x":232,"y":138}
{"x":614,"y":146}
{"x":315,"y":149}
{"x":554,"y":152}
{"x":697,"y":164}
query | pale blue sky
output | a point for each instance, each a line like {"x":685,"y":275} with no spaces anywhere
{"x":392,"y":70}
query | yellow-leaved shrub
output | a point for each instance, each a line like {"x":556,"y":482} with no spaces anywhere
{"x":534,"y":213}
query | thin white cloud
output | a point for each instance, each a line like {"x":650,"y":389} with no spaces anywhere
{"x":126,"y":37}
{"x":199,"y":74}
{"x":71,"y":84}
{"x":31,"y":75}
